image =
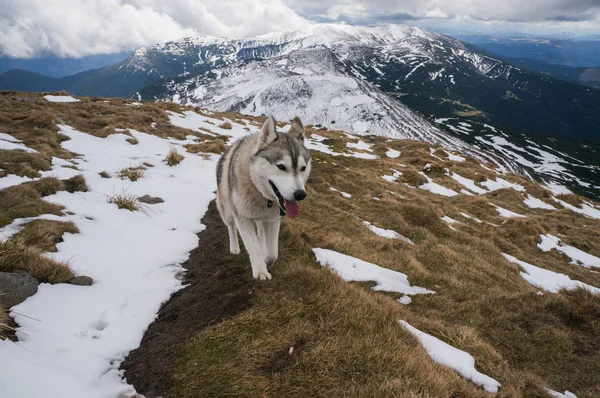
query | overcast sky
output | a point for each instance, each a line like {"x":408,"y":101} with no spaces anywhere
{"x":30,"y":28}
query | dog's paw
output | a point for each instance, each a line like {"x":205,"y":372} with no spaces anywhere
{"x":261,"y":275}
{"x":235,"y":250}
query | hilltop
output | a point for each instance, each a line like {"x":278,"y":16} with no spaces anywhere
{"x":397,"y":236}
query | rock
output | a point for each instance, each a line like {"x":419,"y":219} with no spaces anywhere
{"x":16,"y":288}
{"x":82,"y":281}
{"x":151,"y":199}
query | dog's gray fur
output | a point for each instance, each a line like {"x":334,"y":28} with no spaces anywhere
{"x":245,"y":198}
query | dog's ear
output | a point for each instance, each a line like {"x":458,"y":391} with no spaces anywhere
{"x":268,"y":134}
{"x":297,"y":129}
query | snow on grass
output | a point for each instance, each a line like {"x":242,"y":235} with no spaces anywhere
{"x":585,"y":209}
{"x":406,"y":300}
{"x":501,"y":184}
{"x":433,"y":155}
{"x":556,"y":394}
{"x":449,"y":221}
{"x":547,"y":280}
{"x":60,"y":98}
{"x":469,"y":184}
{"x":455,"y":158}
{"x":436,"y":188}
{"x":344,"y":194}
{"x":460,"y":361}
{"x":352,"y":269}
{"x":392,"y":153}
{"x":557,"y":189}
{"x":361,"y":155}
{"x":387,"y":233}
{"x":465,"y":215}
{"x":507,"y":213}
{"x":535,"y":203}
{"x":9,"y":143}
{"x":18,"y":224}
{"x":194,"y":121}
{"x":393,"y":177}
{"x":314,"y":142}
{"x":577,"y":256}
{"x":360,"y":145}
{"x":83,"y":333}
{"x":13,"y":179}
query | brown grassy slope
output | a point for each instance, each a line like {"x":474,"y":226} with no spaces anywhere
{"x":347,"y":336}
{"x":350,"y":342}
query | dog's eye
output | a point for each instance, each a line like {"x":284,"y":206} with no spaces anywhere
{"x":303,"y":168}
{"x":281,"y":167}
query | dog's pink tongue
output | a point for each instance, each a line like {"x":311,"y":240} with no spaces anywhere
{"x":292,"y":208}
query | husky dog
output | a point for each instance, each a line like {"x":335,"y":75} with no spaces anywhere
{"x":260,"y":178}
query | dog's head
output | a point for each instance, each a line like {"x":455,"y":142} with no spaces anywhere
{"x":282,"y":164}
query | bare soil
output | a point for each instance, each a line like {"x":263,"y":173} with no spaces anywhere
{"x":219,"y":286}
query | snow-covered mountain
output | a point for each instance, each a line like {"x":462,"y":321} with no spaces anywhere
{"x":392,"y":80}
{"x":313,"y":73}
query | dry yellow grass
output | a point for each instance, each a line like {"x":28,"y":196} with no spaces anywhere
{"x":132,"y":173}
{"x":226,"y":125}
{"x":25,"y":200}
{"x":45,"y":234}
{"x":126,"y":201}
{"x":351,"y":343}
{"x":173,"y":157}
{"x":4,"y":327}
{"x":16,"y":256}
{"x":217,"y":146}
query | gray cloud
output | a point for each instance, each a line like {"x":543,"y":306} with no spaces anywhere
{"x":529,"y":11}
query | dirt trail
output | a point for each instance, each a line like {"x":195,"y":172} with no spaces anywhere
{"x":220,"y":286}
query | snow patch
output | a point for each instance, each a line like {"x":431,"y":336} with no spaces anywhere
{"x":577,"y":256}
{"x":60,"y":98}
{"x":352,"y":269}
{"x":535,"y":203}
{"x":436,"y":188}
{"x":387,"y":233}
{"x":548,"y":280}
{"x":85,"y":332}
{"x":460,"y":361}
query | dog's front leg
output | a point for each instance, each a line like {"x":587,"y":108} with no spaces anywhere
{"x":270,"y":234}
{"x":248,"y":232}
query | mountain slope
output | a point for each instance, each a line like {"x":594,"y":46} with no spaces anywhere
{"x":432,"y":73}
{"x":479,"y":265}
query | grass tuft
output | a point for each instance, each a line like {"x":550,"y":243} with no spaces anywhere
{"x":132,"y":173}
{"x":125,"y":201}
{"x":25,"y":200}
{"x":76,"y":184}
{"x":45,"y":234}
{"x":17,"y":256}
{"x":571,"y":199}
{"x":217,"y":146}
{"x":413,"y":178}
{"x":226,"y":125}
{"x":173,"y":157}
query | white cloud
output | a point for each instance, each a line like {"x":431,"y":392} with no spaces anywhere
{"x":30,"y":28}
{"x":74,"y":28}
{"x":436,"y":13}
